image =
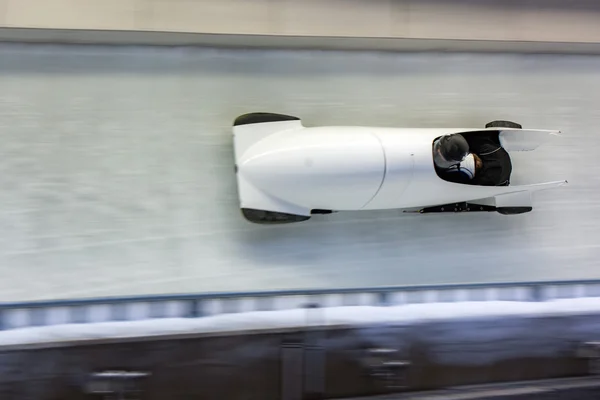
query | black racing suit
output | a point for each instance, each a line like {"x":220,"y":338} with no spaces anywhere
{"x":496,"y":168}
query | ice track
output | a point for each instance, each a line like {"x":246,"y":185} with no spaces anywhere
{"x":117,"y":177}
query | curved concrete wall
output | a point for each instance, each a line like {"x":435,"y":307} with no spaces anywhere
{"x":534,"y":21}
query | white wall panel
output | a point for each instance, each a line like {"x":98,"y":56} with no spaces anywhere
{"x":116,"y":170}
{"x":575,"y":21}
{"x":73,"y":14}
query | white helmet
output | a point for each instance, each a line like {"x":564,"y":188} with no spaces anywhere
{"x":467,"y":166}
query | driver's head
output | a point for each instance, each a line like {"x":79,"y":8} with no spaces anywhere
{"x":454,"y":146}
{"x":450,"y":150}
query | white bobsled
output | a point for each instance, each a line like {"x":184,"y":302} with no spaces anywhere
{"x":287,"y":172}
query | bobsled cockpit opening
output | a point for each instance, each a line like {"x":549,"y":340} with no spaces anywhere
{"x":472,"y":158}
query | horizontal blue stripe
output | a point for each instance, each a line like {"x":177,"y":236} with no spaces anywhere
{"x":198,"y":305}
{"x":284,"y":293}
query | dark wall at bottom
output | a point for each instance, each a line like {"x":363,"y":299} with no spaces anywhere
{"x":312,"y":364}
{"x":570,"y":389}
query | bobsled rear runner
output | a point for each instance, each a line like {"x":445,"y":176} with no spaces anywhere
{"x":287,"y":172}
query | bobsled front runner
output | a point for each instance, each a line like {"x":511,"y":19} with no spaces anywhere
{"x":286,"y":172}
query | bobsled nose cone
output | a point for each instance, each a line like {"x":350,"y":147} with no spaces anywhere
{"x":257,"y":166}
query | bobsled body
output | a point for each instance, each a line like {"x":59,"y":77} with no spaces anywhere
{"x":288,"y":170}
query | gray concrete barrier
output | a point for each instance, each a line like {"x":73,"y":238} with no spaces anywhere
{"x":406,"y":25}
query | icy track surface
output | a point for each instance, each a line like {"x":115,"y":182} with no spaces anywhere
{"x":117,"y":174}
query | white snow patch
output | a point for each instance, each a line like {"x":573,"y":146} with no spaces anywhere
{"x":297,"y":318}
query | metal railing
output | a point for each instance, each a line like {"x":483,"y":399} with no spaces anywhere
{"x":44,"y":313}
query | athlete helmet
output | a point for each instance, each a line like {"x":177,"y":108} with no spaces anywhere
{"x":450,"y":150}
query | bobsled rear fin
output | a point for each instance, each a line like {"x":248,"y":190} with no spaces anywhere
{"x":516,"y":199}
{"x":249,"y":129}
{"x":524,"y":139}
{"x":520,"y":201}
{"x":534,"y":187}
